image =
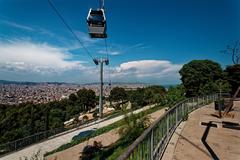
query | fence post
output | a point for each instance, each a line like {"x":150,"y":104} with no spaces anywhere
{"x":182,"y":106}
{"x":167,"y":126}
{"x":176,"y":116}
{"x":151,"y":145}
{"x":15,"y":145}
{"x":197,"y":101}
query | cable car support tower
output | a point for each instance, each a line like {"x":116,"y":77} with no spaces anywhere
{"x":97,"y":28}
{"x":101,"y":62}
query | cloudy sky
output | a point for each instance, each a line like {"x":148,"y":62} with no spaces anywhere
{"x":149,"y":40}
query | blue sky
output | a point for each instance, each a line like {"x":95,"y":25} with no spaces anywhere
{"x":149,"y":40}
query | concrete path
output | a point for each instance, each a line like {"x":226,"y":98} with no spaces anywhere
{"x":54,"y":143}
{"x":192,"y":140}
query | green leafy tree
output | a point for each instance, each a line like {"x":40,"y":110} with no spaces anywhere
{"x":223,"y":86}
{"x":208,"y":88}
{"x":56,"y":117}
{"x":136,"y":97}
{"x":196,"y":75}
{"x":233,"y":76}
{"x":153,"y":94}
{"x":219,"y":86}
{"x":72,"y":111}
{"x":174,"y":95}
{"x":72,"y":97}
{"x":118,"y":94}
{"x":86,"y":98}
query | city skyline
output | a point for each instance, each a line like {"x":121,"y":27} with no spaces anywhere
{"x":35,"y":46}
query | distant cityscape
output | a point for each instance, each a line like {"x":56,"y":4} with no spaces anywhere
{"x":22,"y":92}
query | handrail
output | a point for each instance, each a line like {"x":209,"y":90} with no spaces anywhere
{"x":153,"y":141}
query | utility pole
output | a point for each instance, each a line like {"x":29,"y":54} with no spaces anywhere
{"x":101,"y":61}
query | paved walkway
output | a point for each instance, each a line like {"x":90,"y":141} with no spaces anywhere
{"x":56,"y":142}
{"x":192,"y":140}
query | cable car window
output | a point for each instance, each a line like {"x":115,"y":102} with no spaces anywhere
{"x":96,"y":18}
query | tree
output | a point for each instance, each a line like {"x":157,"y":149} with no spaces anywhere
{"x":72,"y":97}
{"x":233,"y":76}
{"x":136,"y":97}
{"x":72,"y":111}
{"x":87,"y":98}
{"x":153,"y":94}
{"x":196,"y":74}
{"x":118,"y":94}
{"x":175,"y":95}
{"x":56,"y":118}
{"x":234,"y":51}
{"x":208,"y":88}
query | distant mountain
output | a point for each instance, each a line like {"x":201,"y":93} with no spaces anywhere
{"x":29,"y":83}
{"x":118,"y":83}
{"x":94,"y":83}
{"x":59,"y":83}
{"x":132,"y":83}
{"x":170,"y":85}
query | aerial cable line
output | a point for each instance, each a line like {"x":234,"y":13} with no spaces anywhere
{"x":69,"y":28}
{"x":106,"y":46}
{"x":109,"y":71}
{"x":101,"y":4}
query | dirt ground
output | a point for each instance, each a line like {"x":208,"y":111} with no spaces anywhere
{"x":106,"y":139}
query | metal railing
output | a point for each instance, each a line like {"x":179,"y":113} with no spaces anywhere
{"x":152,"y":143}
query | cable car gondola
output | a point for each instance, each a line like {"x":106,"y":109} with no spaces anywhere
{"x":96,"y":21}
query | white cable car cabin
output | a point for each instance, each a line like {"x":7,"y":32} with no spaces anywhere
{"x":97,"y":26}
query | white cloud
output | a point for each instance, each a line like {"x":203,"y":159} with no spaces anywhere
{"x":84,"y":37}
{"x":31,"y":57}
{"x":113,"y":53}
{"x":25,"y":60}
{"x":17,"y":25}
{"x":148,"y":70}
{"x":138,"y":45}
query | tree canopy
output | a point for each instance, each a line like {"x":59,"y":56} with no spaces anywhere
{"x":233,"y":76}
{"x":118,"y":94}
{"x":174,"y":95}
{"x":148,"y":95}
{"x":198,"y":76}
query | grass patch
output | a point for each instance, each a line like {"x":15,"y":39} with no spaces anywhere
{"x":98,"y":132}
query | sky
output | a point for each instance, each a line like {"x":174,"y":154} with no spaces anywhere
{"x":148,"y":40}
